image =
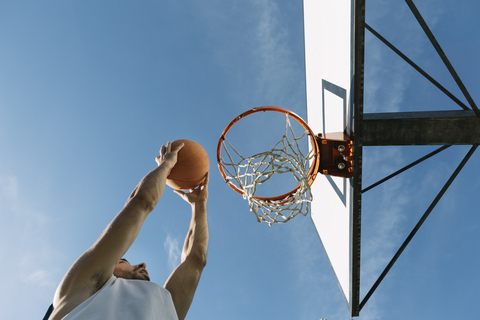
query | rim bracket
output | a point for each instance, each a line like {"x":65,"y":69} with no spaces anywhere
{"x":336,"y":154}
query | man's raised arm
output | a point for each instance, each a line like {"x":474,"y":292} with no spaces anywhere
{"x":183,"y":281}
{"x":88,"y":274}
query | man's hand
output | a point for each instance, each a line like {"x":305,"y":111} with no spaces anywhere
{"x":196,"y":195}
{"x":167,"y":155}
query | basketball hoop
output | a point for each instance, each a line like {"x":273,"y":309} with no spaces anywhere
{"x":285,"y":157}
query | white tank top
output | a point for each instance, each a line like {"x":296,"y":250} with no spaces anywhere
{"x":126,"y":299}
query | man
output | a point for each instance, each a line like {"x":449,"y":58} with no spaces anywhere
{"x":103,"y":285}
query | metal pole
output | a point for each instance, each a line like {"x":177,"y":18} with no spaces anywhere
{"x":442,"y":55}
{"x":419,"y":224}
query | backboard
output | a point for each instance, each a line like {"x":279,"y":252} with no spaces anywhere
{"x":329,"y":31}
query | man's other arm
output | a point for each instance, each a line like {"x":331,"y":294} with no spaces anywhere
{"x":183,"y":281}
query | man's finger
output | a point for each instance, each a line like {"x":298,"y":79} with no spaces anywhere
{"x":205,"y":181}
{"x":179,"y":192}
{"x":180,"y":146}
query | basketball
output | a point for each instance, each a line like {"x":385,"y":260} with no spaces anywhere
{"x":191,"y":167}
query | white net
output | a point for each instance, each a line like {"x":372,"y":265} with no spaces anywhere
{"x":286,"y":157}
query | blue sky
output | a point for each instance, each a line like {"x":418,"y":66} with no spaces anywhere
{"x":89,"y":91}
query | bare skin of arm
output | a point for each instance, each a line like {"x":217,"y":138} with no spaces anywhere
{"x":93,"y":269}
{"x":183,"y":281}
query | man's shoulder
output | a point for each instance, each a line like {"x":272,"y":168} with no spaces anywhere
{"x":66,"y":303}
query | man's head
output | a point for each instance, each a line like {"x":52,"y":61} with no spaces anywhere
{"x":125,"y":270}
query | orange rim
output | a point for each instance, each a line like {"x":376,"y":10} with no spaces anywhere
{"x":312,"y":172}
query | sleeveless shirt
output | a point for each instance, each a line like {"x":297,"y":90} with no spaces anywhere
{"x":126,"y":299}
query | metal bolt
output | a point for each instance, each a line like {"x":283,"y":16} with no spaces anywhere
{"x":341,"y":166}
{"x":341,"y":148}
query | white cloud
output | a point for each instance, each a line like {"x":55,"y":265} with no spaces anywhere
{"x":274,"y":47}
{"x":28,"y":227}
{"x":388,"y":78}
{"x":9,"y":188}
{"x":31,"y":262}
{"x":39,"y":277}
{"x":388,"y":81}
{"x":172,"y":246}
{"x":257,"y":51}
{"x":383,"y":215}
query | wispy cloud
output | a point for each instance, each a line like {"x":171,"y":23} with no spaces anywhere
{"x":390,"y":211}
{"x":39,"y":277}
{"x":172,"y":246}
{"x":25,"y":244}
{"x":388,"y":83}
{"x":388,"y":79}
{"x":254,"y":46}
{"x":274,"y":45}
{"x":9,"y":189}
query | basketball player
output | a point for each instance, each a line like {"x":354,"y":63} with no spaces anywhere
{"x":103,"y":285}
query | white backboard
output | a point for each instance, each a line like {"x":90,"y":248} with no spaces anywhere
{"x":329,"y":34}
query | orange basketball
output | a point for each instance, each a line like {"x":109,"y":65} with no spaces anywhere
{"x":191,"y":167}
